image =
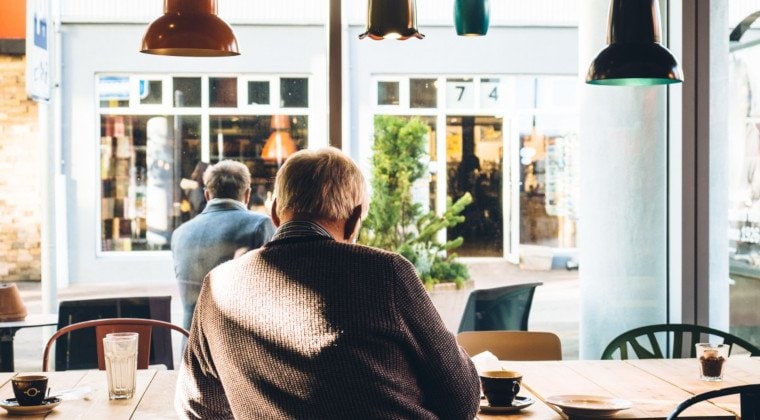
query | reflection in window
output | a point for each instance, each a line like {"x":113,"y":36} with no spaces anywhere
{"x":187,"y":92}
{"x":294,"y":93}
{"x":113,"y":91}
{"x":140,"y":173}
{"x":388,"y":93}
{"x":150,"y":92}
{"x":222,"y":92}
{"x":258,"y":93}
{"x":423,"y":93}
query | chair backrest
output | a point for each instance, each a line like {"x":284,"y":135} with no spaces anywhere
{"x":648,"y":342}
{"x":499,"y":308}
{"x":749,"y":395}
{"x":144,"y":328}
{"x":512,"y":345}
{"x":74,"y":351}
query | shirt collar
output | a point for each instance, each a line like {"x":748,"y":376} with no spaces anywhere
{"x":227,"y":201}
{"x":300,"y":229}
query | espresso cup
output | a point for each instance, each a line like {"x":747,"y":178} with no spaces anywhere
{"x":500,"y":386}
{"x":30,"y":389}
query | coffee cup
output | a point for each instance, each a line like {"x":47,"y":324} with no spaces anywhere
{"x":500,"y":386}
{"x":30,"y":389}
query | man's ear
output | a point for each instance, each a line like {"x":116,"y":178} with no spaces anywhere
{"x":247,"y":196}
{"x":352,"y":223}
{"x":206,"y":195}
{"x":275,"y":217}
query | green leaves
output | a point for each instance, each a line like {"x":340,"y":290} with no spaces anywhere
{"x":394,"y":221}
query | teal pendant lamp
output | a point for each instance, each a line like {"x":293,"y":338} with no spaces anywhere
{"x":392,"y":19}
{"x":634,"y":56}
{"x":471,"y":17}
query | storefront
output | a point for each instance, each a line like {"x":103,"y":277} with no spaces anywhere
{"x":136,"y":129}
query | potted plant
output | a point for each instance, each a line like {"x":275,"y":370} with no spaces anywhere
{"x":397,"y":223}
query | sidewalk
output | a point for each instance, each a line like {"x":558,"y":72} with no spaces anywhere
{"x":555,"y":305}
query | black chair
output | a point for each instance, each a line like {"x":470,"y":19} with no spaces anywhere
{"x":749,"y":394}
{"x":499,"y":308}
{"x":645,"y":344}
{"x":75,"y":350}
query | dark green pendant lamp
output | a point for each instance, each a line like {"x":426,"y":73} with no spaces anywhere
{"x":471,"y":17}
{"x":634,"y":56}
{"x":392,"y":19}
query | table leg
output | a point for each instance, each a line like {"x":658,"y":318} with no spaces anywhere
{"x":6,"y":349}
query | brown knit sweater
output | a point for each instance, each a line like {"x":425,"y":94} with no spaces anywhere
{"x":311,"y":328}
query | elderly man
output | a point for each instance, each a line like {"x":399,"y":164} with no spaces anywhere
{"x":222,"y":231}
{"x":312,"y":326}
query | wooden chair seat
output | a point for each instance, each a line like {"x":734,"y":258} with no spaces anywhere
{"x":512,"y":345}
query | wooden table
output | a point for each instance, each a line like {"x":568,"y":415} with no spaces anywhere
{"x":8,"y":331}
{"x":655,"y":387}
{"x":154,"y":396}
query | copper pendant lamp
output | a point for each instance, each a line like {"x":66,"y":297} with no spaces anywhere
{"x":634,"y":56}
{"x":392,"y":19}
{"x":190,"y":28}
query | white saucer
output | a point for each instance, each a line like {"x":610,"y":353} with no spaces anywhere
{"x":589,"y":405}
{"x":518,"y":404}
{"x":48,"y":404}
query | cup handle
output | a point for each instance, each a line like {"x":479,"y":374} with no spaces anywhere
{"x":516,"y":388}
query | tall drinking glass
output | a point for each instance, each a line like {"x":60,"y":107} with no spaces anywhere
{"x":120,"y":350}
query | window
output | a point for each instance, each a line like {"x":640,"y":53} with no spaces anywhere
{"x":152,"y":151}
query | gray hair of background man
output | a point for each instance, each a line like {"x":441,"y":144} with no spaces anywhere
{"x":228,"y":179}
{"x":322,"y":184}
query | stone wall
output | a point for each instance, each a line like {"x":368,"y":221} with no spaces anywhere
{"x":20,"y":175}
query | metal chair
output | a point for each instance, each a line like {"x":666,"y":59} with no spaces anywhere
{"x":499,"y":308}
{"x":749,"y":394}
{"x":682,"y":347}
{"x":144,"y":327}
{"x":512,"y":345}
{"x":74,"y":350}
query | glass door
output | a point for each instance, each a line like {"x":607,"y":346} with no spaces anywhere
{"x":475,"y":165}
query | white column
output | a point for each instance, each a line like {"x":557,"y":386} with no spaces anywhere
{"x":623,"y":202}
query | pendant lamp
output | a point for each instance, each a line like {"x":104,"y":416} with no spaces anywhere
{"x":471,"y":17}
{"x":392,"y":19}
{"x":190,"y":28}
{"x":634,"y":56}
{"x":280,"y":144}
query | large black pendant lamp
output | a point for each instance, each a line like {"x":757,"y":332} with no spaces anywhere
{"x":190,"y":28}
{"x":471,"y":17}
{"x":634,"y":56}
{"x":392,"y":19}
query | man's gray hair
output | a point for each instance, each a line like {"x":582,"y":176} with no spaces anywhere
{"x":322,"y":184}
{"x":228,"y":179}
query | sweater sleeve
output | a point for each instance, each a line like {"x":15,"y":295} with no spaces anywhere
{"x":446,"y":374}
{"x":199,"y":393}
